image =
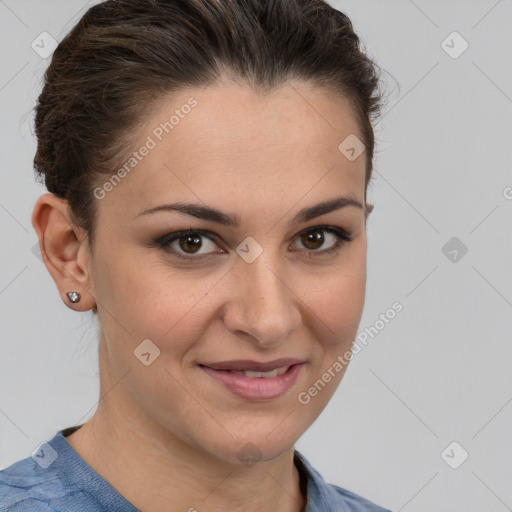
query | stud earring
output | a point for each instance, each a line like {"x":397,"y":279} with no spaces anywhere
{"x":73,"y":297}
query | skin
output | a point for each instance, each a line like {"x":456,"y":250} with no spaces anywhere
{"x":166,"y":435}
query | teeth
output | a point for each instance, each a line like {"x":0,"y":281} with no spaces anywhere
{"x":265,"y":375}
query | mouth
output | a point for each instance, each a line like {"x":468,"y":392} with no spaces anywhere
{"x":255,"y":381}
{"x":265,"y":375}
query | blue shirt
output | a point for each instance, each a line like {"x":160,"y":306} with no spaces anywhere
{"x":57,"y":479}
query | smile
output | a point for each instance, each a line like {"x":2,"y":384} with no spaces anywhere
{"x":252,"y":374}
{"x":255,"y":385}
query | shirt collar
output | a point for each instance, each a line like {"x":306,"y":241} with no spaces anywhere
{"x":320,"y":495}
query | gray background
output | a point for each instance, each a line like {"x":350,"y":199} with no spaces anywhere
{"x":439,"y":371}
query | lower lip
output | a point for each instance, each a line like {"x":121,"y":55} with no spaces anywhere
{"x":258,"y":388}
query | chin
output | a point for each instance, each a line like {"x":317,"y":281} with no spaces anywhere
{"x":253,"y":447}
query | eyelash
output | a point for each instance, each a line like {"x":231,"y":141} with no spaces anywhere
{"x":343,"y":237}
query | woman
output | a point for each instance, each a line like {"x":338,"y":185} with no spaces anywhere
{"x":207,"y":165}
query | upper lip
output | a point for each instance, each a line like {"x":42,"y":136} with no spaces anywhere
{"x":248,"y":365}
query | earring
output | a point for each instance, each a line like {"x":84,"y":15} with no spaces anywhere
{"x":73,"y":297}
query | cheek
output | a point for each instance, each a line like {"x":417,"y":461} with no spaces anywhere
{"x":338,"y":309}
{"x":150,"y":300}
{"x":338,"y":303}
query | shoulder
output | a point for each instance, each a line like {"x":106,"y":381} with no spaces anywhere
{"x":325,"y":497}
{"x":53,"y":479}
{"x":56,"y":479}
{"x":25,"y":486}
{"x":354,"y":502}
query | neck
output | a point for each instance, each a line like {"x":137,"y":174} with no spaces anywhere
{"x":156,"y":470}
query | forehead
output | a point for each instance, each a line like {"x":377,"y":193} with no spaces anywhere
{"x":231,"y":141}
{"x":233,"y":117}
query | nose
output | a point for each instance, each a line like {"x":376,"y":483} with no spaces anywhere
{"x":263,"y":304}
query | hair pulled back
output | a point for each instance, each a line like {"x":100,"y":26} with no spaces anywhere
{"x":123,"y":55}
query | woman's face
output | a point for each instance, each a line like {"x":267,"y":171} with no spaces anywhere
{"x":257,"y":289}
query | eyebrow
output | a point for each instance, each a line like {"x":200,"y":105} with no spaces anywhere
{"x":212,"y":214}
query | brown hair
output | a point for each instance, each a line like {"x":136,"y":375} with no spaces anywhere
{"x":124,"y":54}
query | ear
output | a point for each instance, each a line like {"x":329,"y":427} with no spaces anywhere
{"x":64,"y":249}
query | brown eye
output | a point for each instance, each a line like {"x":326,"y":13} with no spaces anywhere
{"x":313,"y":240}
{"x":190,"y":243}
